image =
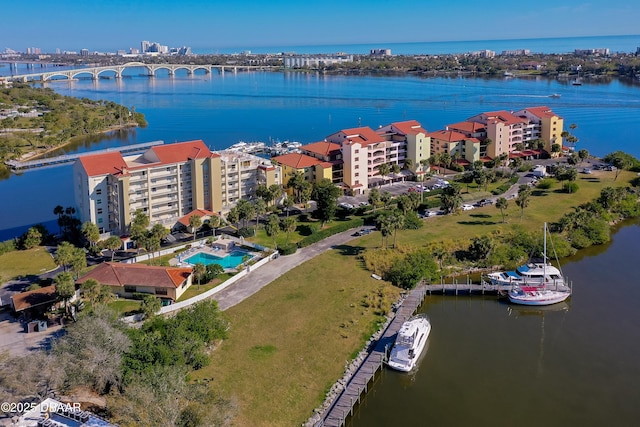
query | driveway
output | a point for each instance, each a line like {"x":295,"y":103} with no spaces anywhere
{"x":15,"y":341}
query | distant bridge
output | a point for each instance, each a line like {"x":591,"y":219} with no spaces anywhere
{"x":95,"y":72}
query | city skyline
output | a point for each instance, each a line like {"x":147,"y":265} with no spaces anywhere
{"x":246,"y":24}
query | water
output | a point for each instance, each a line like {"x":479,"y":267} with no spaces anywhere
{"x":232,"y":260}
{"x":269,"y":106}
{"x":494,"y":364}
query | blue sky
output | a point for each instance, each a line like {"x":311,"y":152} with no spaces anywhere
{"x":243,"y":24}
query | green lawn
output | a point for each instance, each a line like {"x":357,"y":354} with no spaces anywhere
{"x":303,"y":230}
{"x":23,"y":263}
{"x":289,"y":342}
{"x":196,"y":289}
{"x":125,"y":307}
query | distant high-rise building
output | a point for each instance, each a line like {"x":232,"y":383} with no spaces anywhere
{"x":84,"y":52}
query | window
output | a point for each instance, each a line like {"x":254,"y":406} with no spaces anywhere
{"x":99,"y":202}
{"x":99,"y":220}
{"x":161,"y":291}
{"x":99,"y":211}
{"x":98,"y":191}
{"x":129,"y":289}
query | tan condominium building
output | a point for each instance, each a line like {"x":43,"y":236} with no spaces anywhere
{"x":166,"y":182}
{"x":363,"y":151}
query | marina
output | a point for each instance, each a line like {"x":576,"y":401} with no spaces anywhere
{"x":342,"y":407}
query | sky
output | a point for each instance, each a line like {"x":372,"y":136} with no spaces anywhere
{"x":207,"y":25}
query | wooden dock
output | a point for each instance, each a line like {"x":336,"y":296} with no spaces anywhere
{"x":342,"y":407}
{"x":70,"y":158}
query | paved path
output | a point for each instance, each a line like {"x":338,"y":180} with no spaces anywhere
{"x":258,"y":279}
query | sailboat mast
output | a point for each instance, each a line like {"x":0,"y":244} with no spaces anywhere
{"x":544,"y":256}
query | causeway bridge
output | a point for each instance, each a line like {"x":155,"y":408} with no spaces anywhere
{"x":117,"y":70}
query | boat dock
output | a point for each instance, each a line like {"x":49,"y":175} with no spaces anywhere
{"x":342,"y":407}
{"x":16,"y":165}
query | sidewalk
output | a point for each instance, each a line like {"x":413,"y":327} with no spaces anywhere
{"x":266,"y":274}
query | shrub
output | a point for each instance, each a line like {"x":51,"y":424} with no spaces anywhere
{"x":246,"y":232}
{"x":7,"y":246}
{"x":337,"y":227}
{"x":545,"y":184}
{"x":287,"y":249}
{"x":570,"y":187}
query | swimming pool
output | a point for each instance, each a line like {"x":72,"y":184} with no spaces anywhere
{"x":230,"y":261}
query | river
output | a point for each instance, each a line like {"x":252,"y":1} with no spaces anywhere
{"x":268,"y":106}
{"x":490,"y":363}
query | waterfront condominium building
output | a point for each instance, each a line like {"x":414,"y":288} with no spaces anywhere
{"x":501,"y":132}
{"x":166,"y":182}
{"x":364,"y":150}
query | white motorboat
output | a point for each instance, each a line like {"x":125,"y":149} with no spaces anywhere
{"x":409,"y":344}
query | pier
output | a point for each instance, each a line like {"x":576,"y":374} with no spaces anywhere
{"x":342,"y":407}
{"x":16,"y":165}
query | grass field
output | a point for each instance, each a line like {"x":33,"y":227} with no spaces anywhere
{"x":289,"y":342}
{"x":23,"y":263}
{"x":125,"y":307}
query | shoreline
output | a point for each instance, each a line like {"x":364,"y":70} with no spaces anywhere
{"x":39,"y":153}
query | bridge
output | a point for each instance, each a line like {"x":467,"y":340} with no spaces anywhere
{"x":117,"y":70}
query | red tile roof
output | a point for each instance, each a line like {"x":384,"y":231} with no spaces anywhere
{"x":201,"y":212}
{"x":102,"y":164}
{"x":121,"y":274}
{"x":541,"y":112}
{"x":296,"y":160}
{"x":503,"y":116}
{"x":409,"y":127}
{"x":323,"y":147}
{"x":363,"y":135}
{"x":469,"y":127}
{"x":182,"y":151}
{"x":447,"y":135}
{"x":25,"y":300}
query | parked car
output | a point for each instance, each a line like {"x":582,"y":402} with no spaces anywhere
{"x":467,"y":207}
{"x":485,"y":202}
{"x":429,"y":214}
{"x":587,"y":171}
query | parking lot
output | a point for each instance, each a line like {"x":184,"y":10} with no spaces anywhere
{"x":396,"y":189}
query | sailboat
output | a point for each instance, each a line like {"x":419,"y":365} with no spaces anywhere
{"x":542,"y":294}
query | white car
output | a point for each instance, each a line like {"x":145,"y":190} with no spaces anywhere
{"x":467,"y":207}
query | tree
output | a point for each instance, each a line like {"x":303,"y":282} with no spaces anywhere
{"x":326,"y":197}
{"x":524,"y":196}
{"x":96,"y":293}
{"x":450,"y":198}
{"x":138,"y":227}
{"x":583,"y":154}
{"x":195,"y":222}
{"x":262,"y":191}
{"x":91,"y":232}
{"x":287,"y":203}
{"x":275,"y":191}
{"x":374,"y":198}
{"x":260,"y":208}
{"x":59,"y":210}
{"x":383,"y":224}
{"x":386,"y":198}
{"x":233,"y":216}
{"x":395,"y":168}
{"x":199,"y":271}
{"x":384,"y":169}
{"x":480,"y":248}
{"x":150,"y":306}
{"x":65,"y":287}
{"x":31,"y":238}
{"x":113,"y":243}
{"x":212,"y":271}
{"x":502,"y":204}
{"x":246,"y":211}
{"x":78,"y":261}
{"x":289,"y":225}
{"x":408,"y":163}
{"x":64,"y":255}
{"x":273,"y":228}
{"x":396,"y":222}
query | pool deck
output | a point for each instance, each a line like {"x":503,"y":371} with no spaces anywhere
{"x":215,"y":250}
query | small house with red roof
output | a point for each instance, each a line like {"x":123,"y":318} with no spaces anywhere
{"x":125,"y":280}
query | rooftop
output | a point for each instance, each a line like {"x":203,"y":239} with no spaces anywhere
{"x":121,"y":274}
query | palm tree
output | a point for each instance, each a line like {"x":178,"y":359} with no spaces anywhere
{"x":199,"y":270}
{"x":502,"y":204}
{"x":396,"y":221}
{"x":113,"y":243}
{"x":195,"y":222}
{"x":524,"y":195}
{"x":384,"y":170}
{"x":289,"y":225}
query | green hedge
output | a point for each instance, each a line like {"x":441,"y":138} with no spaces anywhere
{"x":288,"y":249}
{"x":336,"y":227}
